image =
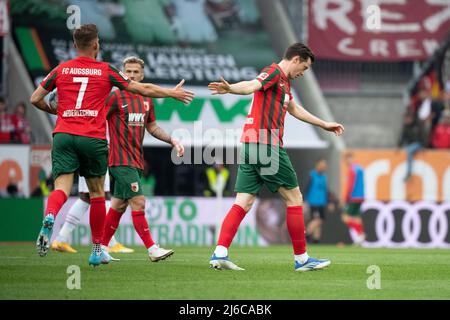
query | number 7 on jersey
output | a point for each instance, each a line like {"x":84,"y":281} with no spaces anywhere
{"x":84,"y":82}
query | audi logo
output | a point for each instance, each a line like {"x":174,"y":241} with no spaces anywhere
{"x":411,"y":224}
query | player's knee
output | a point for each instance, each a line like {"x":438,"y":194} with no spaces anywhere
{"x":295,"y":198}
{"x":121,"y":207}
{"x":138,"y":203}
{"x":247,"y":205}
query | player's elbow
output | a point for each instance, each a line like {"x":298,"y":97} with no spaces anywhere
{"x":34,"y":100}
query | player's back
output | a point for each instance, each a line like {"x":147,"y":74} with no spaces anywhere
{"x":83,"y":86}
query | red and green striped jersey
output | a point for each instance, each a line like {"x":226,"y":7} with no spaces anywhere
{"x":265,"y":120}
{"x":83,"y":86}
{"x":128,"y":117}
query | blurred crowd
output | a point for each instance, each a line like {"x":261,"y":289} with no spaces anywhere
{"x":164,"y":22}
{"x":426,"y":123}
{"x":14,"y":127}
{"x":427,"y":119}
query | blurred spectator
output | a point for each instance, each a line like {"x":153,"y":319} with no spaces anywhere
{"x":44,"y":185}
{"x":12,"y":190}
{"x":354,"y":196}
{"x":441,"y":133}
{"x":317,"y":199}
{"x":6,"y":123}
{"x":22,"y":128}
{"x":425,"y":113}
{"x":223,"y":13}
{"x":217,"y":176}
{"x":148,"y":181}
{"x":414,"y":138}
{"x":271,"y":221}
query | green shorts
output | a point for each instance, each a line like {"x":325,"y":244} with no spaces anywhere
{"x":264,"y":164}
{"x":71,"y":153}
{"x":125,"y":182}
{"x":353,"y":209}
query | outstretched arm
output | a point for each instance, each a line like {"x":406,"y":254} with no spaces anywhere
{"x":153,"y":91}
{"x":37,"y":99}
{"x":301,"y":114}
{"x":160,"y":134}
{"x":243,"y":87}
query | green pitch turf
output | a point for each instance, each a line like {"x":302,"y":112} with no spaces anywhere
{"x":405,"y":274}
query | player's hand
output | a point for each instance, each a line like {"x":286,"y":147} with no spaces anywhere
{"x":178,"y":146}
{"x":182,"y":95}
{"x":337,"y":128}
{"x":221,"y":87}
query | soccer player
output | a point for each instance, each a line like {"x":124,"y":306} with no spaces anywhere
{"x":317,"y":199}
{"x":79,"y":137}
{"x":263,"y":158}
{"x":354,"y":198}
{"x":81,"y":205}
{"x":128,"y":117}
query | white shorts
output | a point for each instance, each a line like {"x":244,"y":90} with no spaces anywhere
{"x":83,"y":188}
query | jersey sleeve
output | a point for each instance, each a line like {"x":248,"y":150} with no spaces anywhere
{"x":111,"y":103}
{"x":151,"y":111}
{"x":49,"y":82}
{"x":268,"y":77}
{"x":117,"y":78}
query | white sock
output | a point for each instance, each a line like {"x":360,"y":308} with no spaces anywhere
{"x":221,"y":251}
{"x":152,"y":248}
{"x":104,"y":248}
{"x":72,"y":220}
{"x":302,"y":258}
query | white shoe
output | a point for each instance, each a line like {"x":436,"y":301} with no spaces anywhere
{"x":360,"y":240}
{"x":159,"y":253}
{"x":107,"y":256}
{"x":223,"y":263}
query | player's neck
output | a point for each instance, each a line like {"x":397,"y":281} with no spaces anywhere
{"x":87,"y":54}
{"x":284,"y":66}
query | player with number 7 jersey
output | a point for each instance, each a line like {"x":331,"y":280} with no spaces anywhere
{"x":79,"y":138}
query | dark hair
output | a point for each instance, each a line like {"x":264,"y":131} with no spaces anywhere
{"x":299,"y":49}
{"x":84,"y":35}
{"x":2,"y":100}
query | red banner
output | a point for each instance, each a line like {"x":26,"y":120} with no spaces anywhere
{"x":377,"y":30}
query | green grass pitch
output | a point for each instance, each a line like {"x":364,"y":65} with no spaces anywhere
{"x":405,"y":274}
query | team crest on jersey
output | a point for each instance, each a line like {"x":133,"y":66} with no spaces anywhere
{"x":263,"y":76}
{"x":147,"y":105}
{"x":134,"y":186}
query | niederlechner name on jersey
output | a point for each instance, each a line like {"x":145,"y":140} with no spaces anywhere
{"x":82,"y":71}
{"x":80,"y":113}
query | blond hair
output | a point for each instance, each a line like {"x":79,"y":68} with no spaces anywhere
{"x":133,"y":59}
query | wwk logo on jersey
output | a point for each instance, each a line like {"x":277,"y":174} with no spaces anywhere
{"x":134,"y":186}
{"x":136,"y":119}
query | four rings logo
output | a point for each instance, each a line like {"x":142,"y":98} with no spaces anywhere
{"x":411,"y":224}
